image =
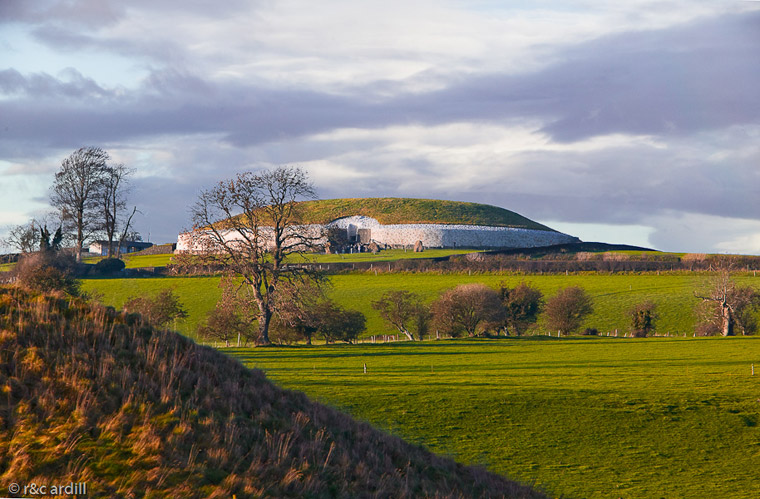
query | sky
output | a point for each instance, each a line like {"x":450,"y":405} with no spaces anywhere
{"x":631,"y":122}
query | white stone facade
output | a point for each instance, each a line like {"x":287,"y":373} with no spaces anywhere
{"x":451,"y":235}
{"x":431,"y":235}
{"x":189,"y":241}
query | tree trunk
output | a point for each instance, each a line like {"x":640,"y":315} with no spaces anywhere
{"x":408,"y":334}
{"x":264,"y":320}
{"x":80,"y":240}
{"x":727,"y":320}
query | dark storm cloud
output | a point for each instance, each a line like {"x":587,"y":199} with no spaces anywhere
{"x":665,"y":82}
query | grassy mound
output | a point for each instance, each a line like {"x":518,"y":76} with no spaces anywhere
{"x":92,"y":395}
{"x":408,"y":211}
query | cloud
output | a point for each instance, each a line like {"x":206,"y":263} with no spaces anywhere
{"x":93,"y":13}
{"x":678,"y":231}
{"x":623,"y":84}
{"x":72,"y":85}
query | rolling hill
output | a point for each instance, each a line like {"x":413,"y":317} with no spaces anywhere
{"x":94,"y":396}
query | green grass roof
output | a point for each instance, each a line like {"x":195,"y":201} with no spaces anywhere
{"x":409,"y":211}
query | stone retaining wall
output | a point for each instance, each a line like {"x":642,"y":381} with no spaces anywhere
{"x":466,"y":236}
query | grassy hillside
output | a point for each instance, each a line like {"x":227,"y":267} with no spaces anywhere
{"x":408,"y":210}
{"x":91,"y":395}
{"x":596,"y":418}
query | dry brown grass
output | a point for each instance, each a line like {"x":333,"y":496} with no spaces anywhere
{"x":90,"y":394}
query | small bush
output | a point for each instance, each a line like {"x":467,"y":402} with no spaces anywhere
{"x":46,"y":272}
{"x":590,"y":331}
{"x":643,"y":318}
{"x":159,"y":310}
{"x":45,"y":279}
{"x":109,"y":266}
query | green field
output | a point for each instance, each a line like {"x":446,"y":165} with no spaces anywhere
{"x":389,"y":255}
{"x":592,"y":418}
{"x":162,"y":260}
{"x":612,"y":294}
{"x":582,"y":417}
{"x":137,"y":261}
{"x":197,"y":294}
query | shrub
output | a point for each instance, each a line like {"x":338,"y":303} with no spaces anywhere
{"x":109,"y":266}
{"x":521,"y":307}
{"x":46,"y":272}
{"x":643,"y":318}
{"x":339,"y":324}
{"x":590,"y":331}
{"x":159,"y":310}
{"x":566,"y":310}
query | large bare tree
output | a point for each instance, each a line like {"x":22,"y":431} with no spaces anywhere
{"x":726,"y":306}
{"x":113,"y":205}
{"x":250,"y":224}
{"x":75,"y":193}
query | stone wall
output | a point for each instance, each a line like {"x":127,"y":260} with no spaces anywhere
{"x":466,"y":236}
{"x":451,"y":235}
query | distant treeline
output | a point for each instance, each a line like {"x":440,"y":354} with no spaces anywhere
{"x":500,"y":263}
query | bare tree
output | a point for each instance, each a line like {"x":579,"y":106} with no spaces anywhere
{"x":726,"y":306}
{"x":298,"y":306}
{"x":405,"y":311}
{"x":113,"y":204}
{"x":250,"y":225}
{"x":467,"y":308}
{"x":75,"y":193}
{"x":566,"y":310}
{"x":233,"y":316}
{"x":23,"y":238}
